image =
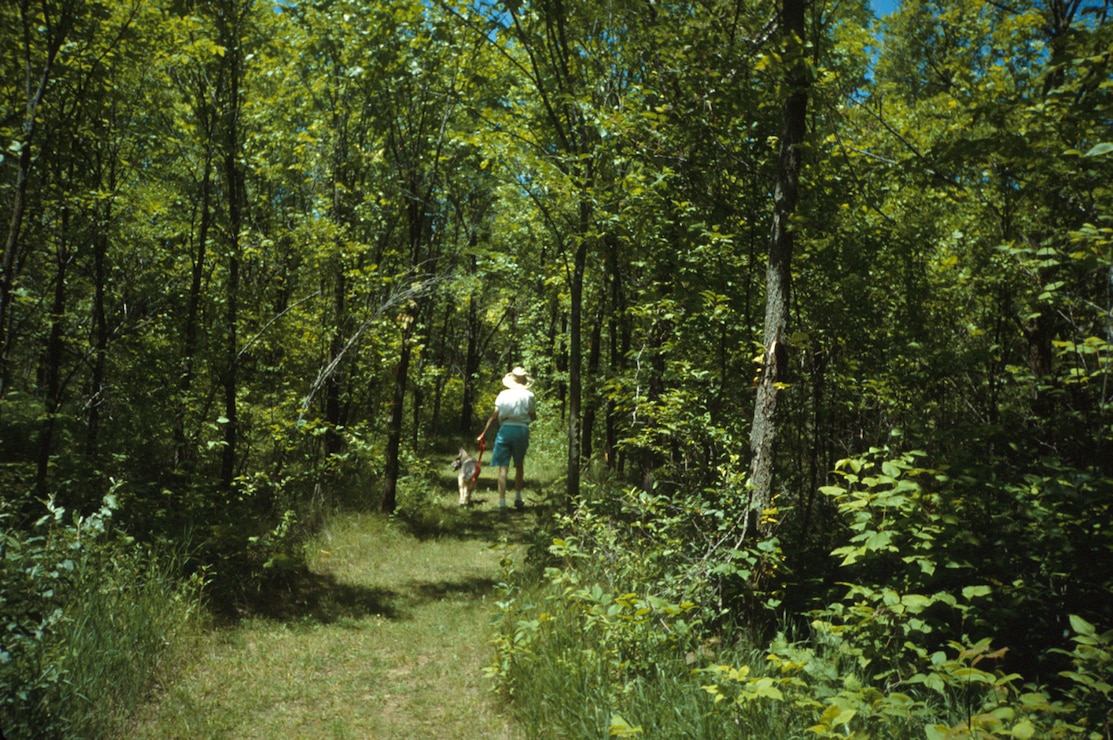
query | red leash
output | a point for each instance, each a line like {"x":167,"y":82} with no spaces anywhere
{"x":479,"y":460}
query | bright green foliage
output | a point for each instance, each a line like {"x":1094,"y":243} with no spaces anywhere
{"x":257,"y":259}
{"x":907,"y":625}
{"x":617,"y":625}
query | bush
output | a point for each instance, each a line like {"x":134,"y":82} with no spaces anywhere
{"x":620,"y":628}
{"x":604,"y":632}
{"x":90,"y":623}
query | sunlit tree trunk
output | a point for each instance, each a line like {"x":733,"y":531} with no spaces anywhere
{"x":763,"y":437}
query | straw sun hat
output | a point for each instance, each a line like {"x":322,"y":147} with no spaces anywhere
{"x":517,"y":378}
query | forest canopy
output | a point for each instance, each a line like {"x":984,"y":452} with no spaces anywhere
{"x":820,"y":304}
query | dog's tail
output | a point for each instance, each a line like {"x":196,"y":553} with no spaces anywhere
{"x":470,"y":470}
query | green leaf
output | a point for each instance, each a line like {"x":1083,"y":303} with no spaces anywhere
{"x":936,"y":732}
{"x":621,"y":728}
{"x":880,"y":541}
{"x":973,"y":592}
{"x":1103,"y":148}
{"x":916,"y":603}
{"x":1081,"y":626}
{"x":763,"y":687}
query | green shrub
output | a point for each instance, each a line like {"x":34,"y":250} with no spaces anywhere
{"x":901,"y":652}
{"x":621,"y":628}
{"x":1091,"y":677}
{"x":607,"y":632}
{"x":90,"y":623}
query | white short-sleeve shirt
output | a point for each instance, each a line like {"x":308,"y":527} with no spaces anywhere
{"x":515,"y":407}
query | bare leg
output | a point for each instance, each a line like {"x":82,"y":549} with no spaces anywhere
{"x":502,"y":486}
{"x":519,"y":483}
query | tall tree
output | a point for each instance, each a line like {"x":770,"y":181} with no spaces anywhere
{"x":44,"y":29}
{"x":774,"y":369}
{"x":231,"y":19}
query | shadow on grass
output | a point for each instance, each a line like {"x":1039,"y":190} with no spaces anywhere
{"x":479,"y":521}
{"x":472,"y":587}
{"x":299,"y":594}
{"x":304,"y":596}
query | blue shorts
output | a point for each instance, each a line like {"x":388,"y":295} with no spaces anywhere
{"x":511,"y":442}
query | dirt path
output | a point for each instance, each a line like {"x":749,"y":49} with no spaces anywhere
{"x":393,"y":645}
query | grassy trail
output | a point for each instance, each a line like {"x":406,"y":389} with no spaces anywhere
{"x":390,"y":642}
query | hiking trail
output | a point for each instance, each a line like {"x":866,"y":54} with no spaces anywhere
{"x":390,"y":640}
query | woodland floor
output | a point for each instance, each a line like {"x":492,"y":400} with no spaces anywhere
{"x":390,"y":641}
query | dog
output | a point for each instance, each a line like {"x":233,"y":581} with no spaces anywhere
{"x":466,"y":465}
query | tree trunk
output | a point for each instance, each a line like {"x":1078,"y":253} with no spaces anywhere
{"x":7,"y":268}
{"x":592,"y":403}
{"x":230,"y":30}
{"x":334,"y":441}
{"x":471,"y":366}
{"x":394,"y":427}
{"x":99,"y":339}
{"x":52,"y":372}
{"x":763,"y":435}
{"x":575,"y":358}
{"x":182,"y":452}
{"x":23,"y":170}
{"x":619,"y":338}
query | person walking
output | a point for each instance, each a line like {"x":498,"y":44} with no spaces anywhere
{"x":515,"y":408}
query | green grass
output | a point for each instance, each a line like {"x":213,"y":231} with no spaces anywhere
{"x":385,"y":636}
{"x":92,"y":624}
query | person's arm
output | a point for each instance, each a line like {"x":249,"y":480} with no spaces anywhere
{"x":491,"y":420}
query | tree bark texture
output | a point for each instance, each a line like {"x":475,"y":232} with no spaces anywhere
{"x":763,"y":434}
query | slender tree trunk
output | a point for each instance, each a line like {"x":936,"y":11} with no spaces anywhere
{"x":818,"y":457}
{"x":558,"y":341}
{"x":619,"y":339}
{"x":231,"y":425}
{"x":99,"y":338}
{"x":575,"y":358}
{"x":763,"y":437}
{"x":182,"y":452}
{"x":334,"y":442}
{"x":341,"y":218}
{"x":591,"y":404}
{"x":35,"y":92}
{"x":445,"y":355}
{"x":7,"y":276}
{"x":230,"y":31}
{"x":394,"y":426}
{"x":471,"y":367}
{"x":52,"y":372}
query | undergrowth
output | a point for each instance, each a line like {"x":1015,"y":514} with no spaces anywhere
{"x":637,"y":619}
{"x":91,"y":624}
